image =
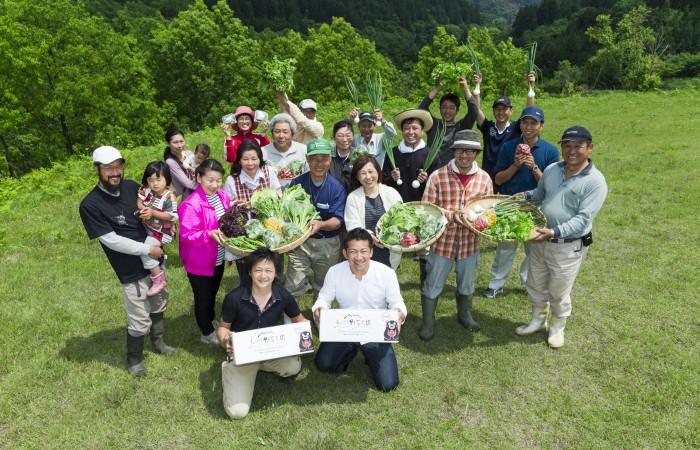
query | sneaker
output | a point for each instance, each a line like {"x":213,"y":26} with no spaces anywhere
{"x":210,"y":339}
{"x":492,"y":293}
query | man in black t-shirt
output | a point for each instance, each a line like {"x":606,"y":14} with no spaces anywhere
{"x":110,"y":214}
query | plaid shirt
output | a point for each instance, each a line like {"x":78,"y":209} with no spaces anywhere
{"x":444,"y":190}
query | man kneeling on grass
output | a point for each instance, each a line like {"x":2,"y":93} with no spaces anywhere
{"x":360,"y":283}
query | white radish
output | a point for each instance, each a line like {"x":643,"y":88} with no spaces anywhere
{"x":477,"y":89}
{"x":415,"y":184}
{"x":478,"y":209}
{"x":357,"y":119}
{"x":399,"y":182}
{"x":471,"y":215}
{"x":531,"y":94}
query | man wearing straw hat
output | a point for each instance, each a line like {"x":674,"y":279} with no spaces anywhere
{"x":572,"y":192}
{"x":451,"y":187}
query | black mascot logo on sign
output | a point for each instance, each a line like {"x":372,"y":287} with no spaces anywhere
{"x":391,"y":333}
{"x":305,"y":344}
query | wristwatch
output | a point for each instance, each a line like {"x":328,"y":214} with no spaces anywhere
{"x":535,"y":168}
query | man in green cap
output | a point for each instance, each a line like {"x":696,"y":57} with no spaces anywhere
{"x":322,"y":249}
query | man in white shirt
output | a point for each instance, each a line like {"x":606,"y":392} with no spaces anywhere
{"x":354,"y":286}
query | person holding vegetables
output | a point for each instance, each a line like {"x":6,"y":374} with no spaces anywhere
{"x":244,"y":127}
{"x":283,"y":149}
{"x":451,"y":187}
{"x":449,"y":108}
{"x":374,"y":142}
{"x":201,"y":248}
{"x":304,"y":115}
{"x":249,"y":173}
{"x":366,"y":204}
{"x":519,"y":168}
{"x":572,"y":193}
{"x":497,"y":133}
{"x":256,"y":306}
{"x":174,"y":156}
{"x":322,"y":249}
{"x":109,"y":214}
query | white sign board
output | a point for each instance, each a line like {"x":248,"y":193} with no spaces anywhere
{"x":359,"y":325}
{"x":272,"y":343}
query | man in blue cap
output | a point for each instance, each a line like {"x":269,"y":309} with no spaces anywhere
{"x":496,"y":133}
{"x":519,"y":168}
{"x":572,"y":192}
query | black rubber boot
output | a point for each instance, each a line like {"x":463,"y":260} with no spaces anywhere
{"x":134,"y":355}
{"x":464,"y":315}
{"x":157,"y":342}
{"x":427,"y":327}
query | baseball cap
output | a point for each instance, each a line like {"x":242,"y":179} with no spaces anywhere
{"x":307,"y":103}
{"x":366,"y":115}
{"x":106,"y":155}
{"x":502,"y":101}
{"x":576,"y":133}
{"x":467,"y":139}
{"x":318,"y":147}
{"x":533,"y":111}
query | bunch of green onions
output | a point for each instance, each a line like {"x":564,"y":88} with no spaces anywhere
{"x":475,"y":66}
{"x":388,"y":145}
{"x":531,"y":67}
{"x":434,"y":149}
{"x":354,"y":93}
{"x":373,"y":86}
{"x":513,"y":204}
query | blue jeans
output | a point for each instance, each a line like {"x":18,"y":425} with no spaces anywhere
{"x":334,"y":357}
{"x":439,"y":267}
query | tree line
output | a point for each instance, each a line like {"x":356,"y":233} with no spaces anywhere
{"x":75,"y":75}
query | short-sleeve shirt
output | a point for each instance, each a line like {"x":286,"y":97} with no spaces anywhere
{"x":493,"y":141}
{"x":240,"y":310}
{"x":544,"y":154}
{"x":103,"y":213}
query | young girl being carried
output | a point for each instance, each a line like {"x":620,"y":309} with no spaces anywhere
{"x":191,"y":162}
{"x":158,"y":210}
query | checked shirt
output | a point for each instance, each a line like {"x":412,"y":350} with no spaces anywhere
{"x":445,"y":191}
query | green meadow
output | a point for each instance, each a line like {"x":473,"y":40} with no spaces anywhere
{"x":628,"y":376}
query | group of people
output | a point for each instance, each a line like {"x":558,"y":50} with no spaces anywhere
{"x":343,"y":260}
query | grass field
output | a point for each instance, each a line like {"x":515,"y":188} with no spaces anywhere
{"x":628,"y":377}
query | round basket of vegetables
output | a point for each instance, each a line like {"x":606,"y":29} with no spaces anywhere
{"x":291,"y":171}
{"x":410,"y":227}
{"x":280,"y":223}
{"x":503,"y":218}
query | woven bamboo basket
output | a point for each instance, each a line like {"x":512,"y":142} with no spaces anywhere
{"x":487,"y":202}
{"x":430,"y":209}
{"x":282,"y":249}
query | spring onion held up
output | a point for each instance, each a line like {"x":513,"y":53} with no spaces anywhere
{"x":434,"y":149}
{"x":354,"y":94}
{"x":388,"y":145}
{"x":475,"y":67}
{"x":373,"y":86}
{"x":531,"y":67}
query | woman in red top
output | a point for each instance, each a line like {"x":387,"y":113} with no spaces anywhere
{"x":244,"y":126}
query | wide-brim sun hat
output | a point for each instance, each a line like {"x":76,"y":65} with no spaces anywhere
{"x":421,"y":114}
{"x":244,"y":110}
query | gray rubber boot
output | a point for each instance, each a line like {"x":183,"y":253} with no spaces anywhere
{"x":157,"y":342}
{"x":423,"y":272}
{"x":464,"y":315}
{"x":134,"y":355}
{"x":427,"y":327}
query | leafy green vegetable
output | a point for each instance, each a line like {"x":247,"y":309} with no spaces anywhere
{"x":266,"y":202}
{"x":512,"y":225}
{"x":278,"y":74}
{"x":450,"y":74}
{"x":297,"y":208}
{"x":296,"y":166}
{"x":245,"y":243}
{"x":362,"y":151}
{"x":254,"y":229}
{"x":402,"y":218}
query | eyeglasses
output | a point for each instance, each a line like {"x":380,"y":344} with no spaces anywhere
{"x":113,"y":168}
{"x":468,"y":151}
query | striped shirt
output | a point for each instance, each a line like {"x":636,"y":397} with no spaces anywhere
{"x":444,"y":190}
{"x":215,"y":202}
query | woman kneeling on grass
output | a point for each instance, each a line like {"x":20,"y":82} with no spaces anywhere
{"x":248,"y":308}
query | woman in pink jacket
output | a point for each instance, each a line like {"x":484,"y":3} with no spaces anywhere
{"x":200,"y":243}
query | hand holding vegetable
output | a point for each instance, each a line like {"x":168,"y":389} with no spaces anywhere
{"x":544,"y":234}
{"x":378,"y":118}
{"x":226,"y":129}
{"x":218,"y":236}
{"x":352,"y":115}
{"x":458,"y":217}
{"x":396,"y":174}
{"x":422,"y":176}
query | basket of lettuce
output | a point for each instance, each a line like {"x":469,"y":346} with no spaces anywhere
{"x":503,"y":218}
{"x":410,"y":227}
{"x":292,"y":170}
{"x":280,"y":223}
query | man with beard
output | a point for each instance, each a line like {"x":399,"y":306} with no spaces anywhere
{"x":110,"y":214}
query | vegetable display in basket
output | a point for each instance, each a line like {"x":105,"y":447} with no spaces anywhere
{"x":508,"y":219}
{"x":407,"y":225}
{"x":292,"y":170}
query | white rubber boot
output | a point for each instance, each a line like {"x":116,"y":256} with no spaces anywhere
{"x":556,"y":332}
{"x":538,"y":322}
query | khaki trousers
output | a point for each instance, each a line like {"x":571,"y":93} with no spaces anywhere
{"x":139,"y":307}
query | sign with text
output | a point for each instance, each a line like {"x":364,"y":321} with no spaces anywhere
{"x":359,"y":325}
{"x":263,"y":344}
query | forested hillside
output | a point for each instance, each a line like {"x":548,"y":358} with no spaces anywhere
{"x":76,"y":74}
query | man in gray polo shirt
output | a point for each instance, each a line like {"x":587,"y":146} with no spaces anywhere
{"x":572,"y":192}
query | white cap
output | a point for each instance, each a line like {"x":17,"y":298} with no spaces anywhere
{"x":307,"y":103}
{"x":106,"y":154}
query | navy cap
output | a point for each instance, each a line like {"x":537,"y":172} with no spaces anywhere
{"x":502,"y":101}
{"x":576,"y":133}
{"x":366,"y":115}
{"x":533,"y":111}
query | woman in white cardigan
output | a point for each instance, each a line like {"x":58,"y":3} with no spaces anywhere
{"x":366,"y":204}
